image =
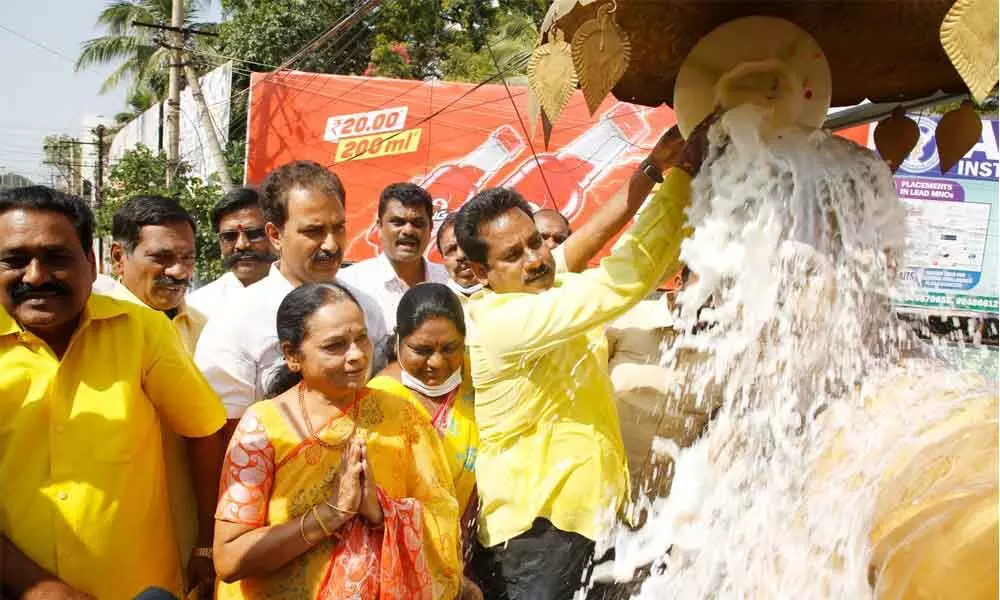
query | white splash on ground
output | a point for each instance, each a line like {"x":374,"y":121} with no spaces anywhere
{"x":795,"y":236}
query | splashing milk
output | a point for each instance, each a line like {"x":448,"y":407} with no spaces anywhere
{"x":795,"y":235}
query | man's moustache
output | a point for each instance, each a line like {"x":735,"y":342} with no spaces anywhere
{"x":171,"y":282}
{"x":20,"y":292}
{"x":250,"y":255}
{"x":324,"y":255}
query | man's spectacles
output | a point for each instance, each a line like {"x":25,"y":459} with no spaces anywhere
{"x":253,"y":235}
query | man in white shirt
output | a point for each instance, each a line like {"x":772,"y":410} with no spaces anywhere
{"x":303,"y":204}
{"x":461,"y":279}
{"x":404,"y":219}
{"x":247,"y":254}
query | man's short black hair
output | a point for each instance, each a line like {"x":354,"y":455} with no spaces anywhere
{"x":409,"y":195}
{"x":234,"y":200}
{"x":41,"y":198}
{"x":484,"y":207}
{"x":449,"y":221}
{"x":143,"y":211}
{"x":299,"y":174}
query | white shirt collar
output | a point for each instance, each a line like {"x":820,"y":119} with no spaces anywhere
{"x":387,"y":273}
{"x":276,"y":281}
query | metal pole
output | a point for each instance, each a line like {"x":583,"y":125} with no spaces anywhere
{"x":99,"y":179}
{"x":174,"y":98}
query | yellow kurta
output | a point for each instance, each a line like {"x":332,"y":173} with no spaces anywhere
{"x":82,"y":484}
{"x":287,"y":476}
{"x":460,"y":436}
{"x":549,"y":439}
{"x":188,"y":323}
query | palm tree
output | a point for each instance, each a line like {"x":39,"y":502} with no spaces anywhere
{"x":142,"y":61}
{"x":138,"y":103}
{"x":143,"y":57}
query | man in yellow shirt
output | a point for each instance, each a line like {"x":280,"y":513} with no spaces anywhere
{"x":153,"y":253}
{"x":85,"y":381}
{"x":551,"y":469}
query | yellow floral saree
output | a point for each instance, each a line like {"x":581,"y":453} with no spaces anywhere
{"x":457,"y":427}
{"x":272,"y":476}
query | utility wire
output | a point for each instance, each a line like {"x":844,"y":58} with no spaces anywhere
{"x":38,"y":44}
{"x":527,"y":134}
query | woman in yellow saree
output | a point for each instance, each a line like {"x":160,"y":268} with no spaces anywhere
{"x":429,"y":373}
{"x":331,"y":490}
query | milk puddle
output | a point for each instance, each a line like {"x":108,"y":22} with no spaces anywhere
{"x":825,"y":397}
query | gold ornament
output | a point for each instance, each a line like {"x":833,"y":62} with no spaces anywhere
{"x":534,"y":110}
{"x":969,"y":38}
{"x":895,"y":138}
{"x":551,"y":74}
{"x":957,"y":132}
{"x":601,"y":53}
{"x":546,"y":130}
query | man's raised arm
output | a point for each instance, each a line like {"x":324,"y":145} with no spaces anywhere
{"x":584,"y":244}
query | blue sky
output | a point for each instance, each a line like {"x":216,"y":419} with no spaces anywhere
{"x":41,"y":94}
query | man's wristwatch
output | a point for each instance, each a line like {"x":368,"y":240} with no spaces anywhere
{"x":203,"y":552}
{"x":652,"y":171}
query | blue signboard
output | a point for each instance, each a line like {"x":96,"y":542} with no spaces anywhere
{"x":951,"y":263}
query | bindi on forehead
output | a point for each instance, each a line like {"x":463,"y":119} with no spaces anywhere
{"x":248,"y":217}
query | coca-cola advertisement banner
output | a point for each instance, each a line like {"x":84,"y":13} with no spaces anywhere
{"x":454,"y":139}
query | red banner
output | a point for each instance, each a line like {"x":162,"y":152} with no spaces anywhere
{"x":454,"y":139}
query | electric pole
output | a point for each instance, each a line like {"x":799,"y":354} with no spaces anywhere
{"x":99,"y":131}
{"x":174,"y":98}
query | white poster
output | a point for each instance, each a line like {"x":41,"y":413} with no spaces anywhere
{"x":144,"y":129}
{"x":217,"y":88}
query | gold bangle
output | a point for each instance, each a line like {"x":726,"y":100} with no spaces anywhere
{"x":347,"y":513}
{"x":302,"y":530}
{"x":322,"y":525}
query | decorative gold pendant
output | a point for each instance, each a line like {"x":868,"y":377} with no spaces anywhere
{"x":534,"y":111}
{"x":546,"y":130}
{"x":314,"y":454}
{"x":601,"y":54}
{"x":551,"y":74}
{"x":895,"y":138}
{"x":957,"y":132}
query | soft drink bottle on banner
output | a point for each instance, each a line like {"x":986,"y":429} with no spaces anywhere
{"x":452,"y":184}
{"x":580,"y":163}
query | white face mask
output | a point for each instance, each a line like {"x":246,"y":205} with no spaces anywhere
{"x":432,"y":391}
{"x":459,"y":289}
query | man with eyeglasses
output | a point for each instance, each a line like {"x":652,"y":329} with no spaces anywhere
{"x":247,"y":254}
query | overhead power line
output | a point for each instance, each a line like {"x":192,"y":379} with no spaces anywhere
{"x":38,"y":44}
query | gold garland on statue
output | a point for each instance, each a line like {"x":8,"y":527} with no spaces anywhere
{"x":596,"y":59}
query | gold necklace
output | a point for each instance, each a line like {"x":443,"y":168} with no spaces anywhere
{"x":312,"y":432}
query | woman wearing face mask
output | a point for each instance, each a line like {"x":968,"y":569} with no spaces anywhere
{"x":331,"y":490}
{"x":429,"y":372}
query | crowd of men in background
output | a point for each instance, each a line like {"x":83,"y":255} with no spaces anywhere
{"x":86,"y":377}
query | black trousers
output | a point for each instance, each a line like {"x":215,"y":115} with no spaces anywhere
{"x":155,"y":593}
{"x":543,"y":563}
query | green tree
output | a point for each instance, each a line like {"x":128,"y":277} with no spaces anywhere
{"x":410,"y":39}
{"x":140,"y":58}
{"x":137,"y":103}
{"x":266,"y":33}
{"x":511,"y":42}
{"x":141,"y":171}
